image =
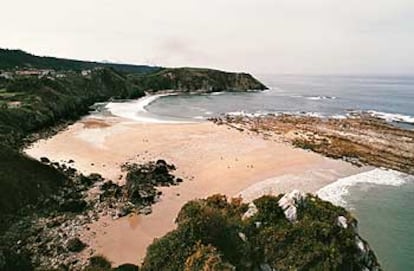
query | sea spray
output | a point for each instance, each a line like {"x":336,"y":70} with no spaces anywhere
{"x":136,"y":110}
{"x":336,"y":191}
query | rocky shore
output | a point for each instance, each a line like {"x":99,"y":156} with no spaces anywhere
{"x":49,"y":235}
{"x":360,"y":139}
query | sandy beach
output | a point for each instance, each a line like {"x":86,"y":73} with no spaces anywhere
{"x":210,"y":158}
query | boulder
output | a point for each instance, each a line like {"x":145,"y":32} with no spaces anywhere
{"x":251,"y":211}
{"x":75,"y":245}
{"x":44,"y":160}
{"x":289,"y":203}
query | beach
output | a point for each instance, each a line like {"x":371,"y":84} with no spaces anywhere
{"x":211,"y":159}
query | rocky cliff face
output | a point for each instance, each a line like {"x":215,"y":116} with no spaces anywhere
{"x":197,"y":80}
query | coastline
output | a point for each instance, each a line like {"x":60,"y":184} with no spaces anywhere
{"x":213,"y":159}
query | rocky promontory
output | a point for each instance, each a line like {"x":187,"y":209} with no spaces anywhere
{"x":196,"y":80}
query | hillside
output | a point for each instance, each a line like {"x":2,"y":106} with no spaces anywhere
{"x":197,"y":80}
{"x":12,"y":59}
{"x":30,"y":105}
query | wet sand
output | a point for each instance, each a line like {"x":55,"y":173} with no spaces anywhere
{"x":211,"y":159}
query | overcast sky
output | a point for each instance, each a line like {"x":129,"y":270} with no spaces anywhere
{"x":261,"y":36}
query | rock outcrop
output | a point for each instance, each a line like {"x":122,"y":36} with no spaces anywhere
{"x":193,"y":80}
{"x":290,"y":203}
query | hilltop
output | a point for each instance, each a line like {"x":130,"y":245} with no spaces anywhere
{"x":18,"y":59}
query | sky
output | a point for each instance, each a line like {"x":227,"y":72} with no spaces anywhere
{"x":259,"y":36}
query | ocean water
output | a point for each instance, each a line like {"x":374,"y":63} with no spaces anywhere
{"x":386,"y":217}
{"x":382,"y":200}
{"x":391,"y":98}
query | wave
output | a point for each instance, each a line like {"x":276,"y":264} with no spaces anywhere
{"x":321,"y":98}
{"x":336,"y":191}
{"x":217,"y":93}
{"x":314,"y":98}
{"x":136,"y":110}
{"x":392,"y":117}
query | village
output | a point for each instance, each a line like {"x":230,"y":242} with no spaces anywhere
{"x":10,"y":96}
{"x":40,"y":73}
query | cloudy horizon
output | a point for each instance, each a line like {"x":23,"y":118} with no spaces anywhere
{"x":262,"y":36}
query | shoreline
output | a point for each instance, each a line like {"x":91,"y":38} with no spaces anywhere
{"x":212,"y":160}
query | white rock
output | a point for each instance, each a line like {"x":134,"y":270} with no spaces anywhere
{"x":360,"y":244}
{"x":289,"y":203}
{"x":243,"y":236}
{"x":342,"y":222}
{"x":250,"y":212}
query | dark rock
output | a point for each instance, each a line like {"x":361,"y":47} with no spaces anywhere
{"x":91,"y":179}
{"x":99,"y":263}
{"x":75,"y":245}
{"x":44,"y":160}
{"x":74,"y":206}
{"x":146,"y":210}
{"x":127,"y":267}
{"x":123,"y":211}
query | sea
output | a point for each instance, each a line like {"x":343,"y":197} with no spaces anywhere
{"x":382,"y":200}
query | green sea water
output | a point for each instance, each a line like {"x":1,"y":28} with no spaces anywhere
{"x":386,"y":221}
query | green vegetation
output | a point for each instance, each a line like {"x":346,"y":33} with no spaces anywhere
{"x":100,"y":263}
{"x":39,"y":105}
{"x":10,"y":59}
{"x":195,"y":79}
{"x":212,"y":235}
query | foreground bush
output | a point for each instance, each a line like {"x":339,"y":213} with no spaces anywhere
{"x":291,"y":232}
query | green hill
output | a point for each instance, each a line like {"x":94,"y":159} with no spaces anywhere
{"x":12,"y":59}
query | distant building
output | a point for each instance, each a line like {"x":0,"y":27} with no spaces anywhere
{"x":7,"y":75}
{"x":14,"y":104}
{"x":39,"y":73}
{"x":86,"y":72}
{"x":29,"y":72}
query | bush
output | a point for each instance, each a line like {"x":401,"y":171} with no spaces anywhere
{"x":211,"y":235}
{"x":98,"y":263}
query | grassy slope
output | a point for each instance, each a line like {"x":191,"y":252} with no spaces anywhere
{"x":9,"y":59}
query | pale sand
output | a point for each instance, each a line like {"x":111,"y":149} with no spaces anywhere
{"x":210,"y":158}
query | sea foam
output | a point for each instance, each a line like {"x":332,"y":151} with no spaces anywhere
{"x":336,"y":191}
{"x":136,"y":110}
{"x":392,"y":117}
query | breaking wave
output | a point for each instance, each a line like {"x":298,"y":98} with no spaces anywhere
{"x":336,"y":191}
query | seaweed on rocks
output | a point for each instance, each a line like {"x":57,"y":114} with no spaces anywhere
{"x":38,"y":233}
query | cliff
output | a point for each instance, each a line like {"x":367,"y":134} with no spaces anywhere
{"x":197,"y":80}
